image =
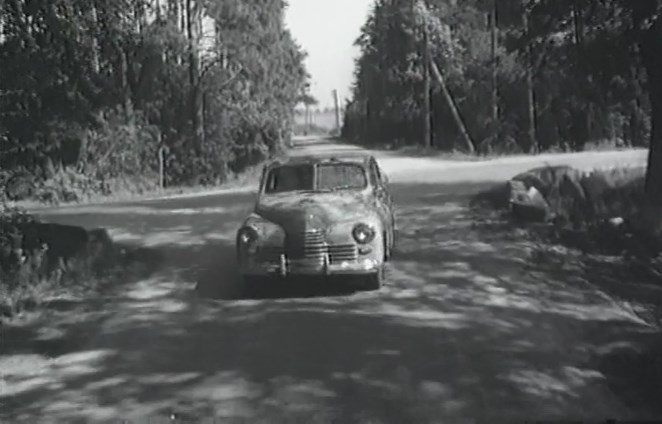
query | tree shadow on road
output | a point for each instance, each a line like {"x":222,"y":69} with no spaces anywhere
{"x":465,"y":330}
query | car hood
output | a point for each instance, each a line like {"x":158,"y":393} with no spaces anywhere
{"x":300,"y":211}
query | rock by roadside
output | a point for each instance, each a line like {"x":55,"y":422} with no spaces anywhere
{"x":39,"y":259}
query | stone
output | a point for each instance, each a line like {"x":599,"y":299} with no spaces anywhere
{"x":527,"y":204}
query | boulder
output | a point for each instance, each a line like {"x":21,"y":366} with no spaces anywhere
{"x":527,"y":204}
{"x":545,"y":178}
{"x":64,"y":242}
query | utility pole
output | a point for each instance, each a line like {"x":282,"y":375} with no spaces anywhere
{"x":307,"y":120}
{"x":431,"y":65}
{"x":335,"y":102}
{"x":468,"y":141}
{"x":427,"y":131}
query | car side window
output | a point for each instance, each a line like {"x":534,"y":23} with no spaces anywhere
{"x":375,"y":175}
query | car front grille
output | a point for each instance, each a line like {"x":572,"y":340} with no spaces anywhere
{"x":342,"y":253}
{"x":310,"y":246}
{"x":305,"y":245}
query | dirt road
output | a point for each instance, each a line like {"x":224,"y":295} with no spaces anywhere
{"x":466,"y":330}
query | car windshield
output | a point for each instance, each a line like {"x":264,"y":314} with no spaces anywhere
{"x":340,"y":176}
{"x":329,"y":177}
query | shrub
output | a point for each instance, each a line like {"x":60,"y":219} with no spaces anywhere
{"x":38,"y":260}
{"x":16,"y":184}
{"x":119,"y":145}
{"x":586,"y":198}
{"x":69,"y":185}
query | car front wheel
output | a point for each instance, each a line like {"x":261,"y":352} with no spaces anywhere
{"x":376,"y":281}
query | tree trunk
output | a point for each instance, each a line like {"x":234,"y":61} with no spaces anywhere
{"x":582,"y":133}
{"x":95,"y":43}
{"x":336,"y":110}
{"x":183,"y":15}
{"x":650,"y":49}
{"x":530,"y":89}
{"x":495,"y":68}
{"x":427,"y":132}
{"x":124,"y":83}
{"x":197,"y":118}
{"x":469,"y":143}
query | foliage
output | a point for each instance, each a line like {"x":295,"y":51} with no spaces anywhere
{"x":587,"y":84}
{"x":39,"y":261}
{"x":67,"y":186}
{"x":99,"y":86}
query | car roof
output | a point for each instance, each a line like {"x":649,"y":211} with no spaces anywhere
{"x":360,"y":158}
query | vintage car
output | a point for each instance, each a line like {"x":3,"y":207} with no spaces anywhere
{"x":319,"y":216}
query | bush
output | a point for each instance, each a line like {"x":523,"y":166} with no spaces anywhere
{"x":587,"y":198}
{"x":17,"y":184}
{"x":120,"y":146}
{"x":12,"y":253}
{"x":39,"y":260}
{"x":68,"y":185}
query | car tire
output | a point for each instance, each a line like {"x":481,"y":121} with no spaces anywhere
{"x":376,"y":281}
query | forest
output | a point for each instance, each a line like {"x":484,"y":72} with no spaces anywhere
{"x":96,"y":95}
{"x":520,"y":76}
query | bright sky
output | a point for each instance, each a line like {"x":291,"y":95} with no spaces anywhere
{"x":326,"y":29}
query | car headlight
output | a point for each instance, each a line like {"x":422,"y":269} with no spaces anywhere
{"x":247,"y":235}
{"x":363,"y":233}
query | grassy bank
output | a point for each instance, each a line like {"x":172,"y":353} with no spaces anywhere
{"x":425,"y":151}
{"x":44,"y":263}
{"x":70,"y":194}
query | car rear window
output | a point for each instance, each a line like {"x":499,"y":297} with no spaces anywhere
{"x":340,"y":176}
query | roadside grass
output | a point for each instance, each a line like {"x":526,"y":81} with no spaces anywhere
{"x":458,"y":155}
{"x":422,"y":152}
{"x":127,"y":190}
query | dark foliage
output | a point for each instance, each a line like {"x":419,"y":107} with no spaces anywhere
{"x":98,"y":87}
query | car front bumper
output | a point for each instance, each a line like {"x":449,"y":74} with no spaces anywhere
{"x":304,"y":267}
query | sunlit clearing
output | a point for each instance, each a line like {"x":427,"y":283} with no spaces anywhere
{"x":223,"y":387}
{"x":151,"y":288}
{"x":168,"y":378}
{"x":79,"y":357}
{"x":26,"y":385}
{"x":298,"y":396}
{"x":155,"y":307}
{"x":143,"y":210}
{"x":121,"y":235}
{"x":182,"y":238}
{"x":539,"y":384}
{"x":424,"y":316}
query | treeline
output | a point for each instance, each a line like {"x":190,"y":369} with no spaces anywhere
{"x":513,"y":75}
{"x":99,"y":87}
